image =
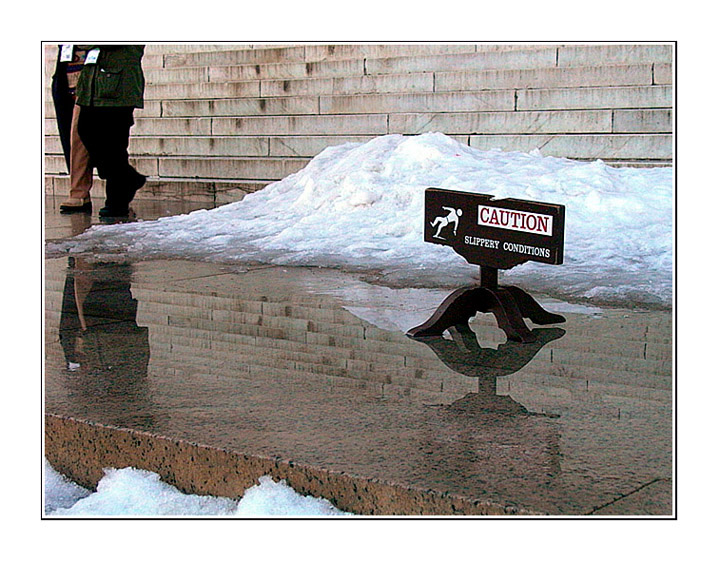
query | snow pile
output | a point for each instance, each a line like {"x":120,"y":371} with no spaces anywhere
{"x":60,"y":492}
{"x":277,"y":499}
{"x":135,"y":492}
{"x":361,"y":207}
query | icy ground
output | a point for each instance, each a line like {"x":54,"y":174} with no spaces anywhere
{"x":134,"y":492}
{"x":361,"y":207}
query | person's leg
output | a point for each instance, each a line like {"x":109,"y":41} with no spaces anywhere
{"x":89,"y":132}
{"x":80,"y":171}
{"x":80,"y":166}
{"x":63,"y":103}
{"x":106,"y":134}
{"x":122,"y":179}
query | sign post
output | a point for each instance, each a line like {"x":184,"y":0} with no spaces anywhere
{"x":494,"y":234}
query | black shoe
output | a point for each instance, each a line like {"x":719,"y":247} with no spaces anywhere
{"x":109,"y":211}
{"x":115,"y":219}
{"x":139,"y":183}
{"x":76,"y":205}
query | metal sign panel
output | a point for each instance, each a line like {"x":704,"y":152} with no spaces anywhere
{"x":498,"y":233}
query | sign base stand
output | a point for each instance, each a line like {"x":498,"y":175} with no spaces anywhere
{"x":509,"y":304}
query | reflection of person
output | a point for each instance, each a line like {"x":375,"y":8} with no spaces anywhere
{"x":110,"y":87}
{"x":106,"y":352}
{"x":67,"y":71}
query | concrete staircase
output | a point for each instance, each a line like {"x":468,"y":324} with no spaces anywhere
{"x":224,"y":120}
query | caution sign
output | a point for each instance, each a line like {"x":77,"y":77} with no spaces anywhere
{"x":498,"y":233}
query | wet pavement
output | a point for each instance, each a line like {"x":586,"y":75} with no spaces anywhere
{"x":312,"y":367}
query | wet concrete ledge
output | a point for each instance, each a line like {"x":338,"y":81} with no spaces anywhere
{"x":82,"y":449}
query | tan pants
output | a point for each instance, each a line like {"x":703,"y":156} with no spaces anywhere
{"x":80,"y":169}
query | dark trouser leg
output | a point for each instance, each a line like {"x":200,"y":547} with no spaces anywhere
{"x":63,"y":102}
{"x":105,"y":132}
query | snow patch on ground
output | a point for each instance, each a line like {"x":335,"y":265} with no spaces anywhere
{"x":135,"y":492}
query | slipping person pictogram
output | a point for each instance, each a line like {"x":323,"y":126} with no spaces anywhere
{"x":441,"y":222}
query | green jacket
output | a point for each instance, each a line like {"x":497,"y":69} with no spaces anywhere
{"x":116,"y":80}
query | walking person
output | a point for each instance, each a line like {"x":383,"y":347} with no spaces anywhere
{"x":110,"y":87}
{"x":67,"y":71}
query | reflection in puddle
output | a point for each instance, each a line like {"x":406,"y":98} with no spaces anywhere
{"x":255,"y":362}
{"x":464,"y":355}
{"x":105,"y":351}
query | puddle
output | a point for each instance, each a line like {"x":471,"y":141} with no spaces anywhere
{"x":312,"y":365}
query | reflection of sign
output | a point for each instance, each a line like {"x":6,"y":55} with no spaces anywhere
{"x":498,"y":233}
{"x":463,"y":354}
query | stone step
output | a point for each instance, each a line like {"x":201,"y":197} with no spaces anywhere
{"x":487,"y":100}
{"x":55,"y":164}
{"x":356,"y":104}
{"x":555,"y":80}
{"x":255,"y":72}
{"x":312,"y":53}
{"x":174,"y":48}
{"x":232,"y":168}
{"x":540,"y":57}
{"x":630,"y":151}
{"x":535,"y":122}
{"x":381,"y":84}
{"x":318,"y":53}
{"x":323,"y":69}
{"x":151,"y":109}
{"x":594,"y":98}
{"x":201,"y":146}
{"x":582,"y":55}
{"x":225,"y":56}
{"x":241,"y":107}
{"x":205,"y":190}
{"x":323,"y":52}
{"x":160,"y":56}
{"x":269,"y":126}
{"x":498,"y":100}
{"x":282,"y":88}
{"x":236,"y":168}
{"x":606,"y":147}
{"x":301,"y":125}
{"x":188,"y":55}
{"x":202,"y":90}
{"x":503,"y":122}
{"x":612,"y":75}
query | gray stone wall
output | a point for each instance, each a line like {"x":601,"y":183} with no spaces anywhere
{"x":223,"y":120}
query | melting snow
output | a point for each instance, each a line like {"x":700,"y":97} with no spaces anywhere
{"x":361,"y":207}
